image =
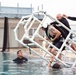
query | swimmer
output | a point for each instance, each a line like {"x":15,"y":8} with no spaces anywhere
{"x":20,"y":59}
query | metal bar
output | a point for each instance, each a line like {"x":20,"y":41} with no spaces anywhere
{"x":25,"y":27}
{"x":40,"y":25}
{"x":18,"y":25}
{"x":30,"y":25}
{"x":46,"y":51}
{"x":63,"y":45}
{"x":22,"y":37}
{"x":48,"y":42}
{"x":37,"y":19}
{"x":26,"y":16}
{"x":30,"y":44}
{"x":74,"y":64}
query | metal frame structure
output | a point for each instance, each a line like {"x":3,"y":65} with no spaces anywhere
{"x":27,"y":26}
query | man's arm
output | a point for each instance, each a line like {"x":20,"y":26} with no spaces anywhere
{"x":15,"y":60}
{"x":69,"y":17}
{"x":72,"y":18}
{"x":25,"y":58}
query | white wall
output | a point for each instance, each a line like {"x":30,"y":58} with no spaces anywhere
{"x":13,"y":42}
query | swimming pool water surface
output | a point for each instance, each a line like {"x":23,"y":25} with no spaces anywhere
{"x":34,"y":66}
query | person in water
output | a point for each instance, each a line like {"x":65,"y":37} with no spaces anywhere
{"x":20,"y":59}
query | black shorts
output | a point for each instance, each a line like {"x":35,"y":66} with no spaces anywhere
{"x":57,"y":44}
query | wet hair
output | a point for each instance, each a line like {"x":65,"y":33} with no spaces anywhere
{"x":56,"y":66}
{"x":18,"y":51}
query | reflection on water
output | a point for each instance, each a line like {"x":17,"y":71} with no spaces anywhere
{"x":34,"y":66}
{"x":5,"y":57}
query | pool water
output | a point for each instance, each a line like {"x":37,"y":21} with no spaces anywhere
{"x":34,"y":66}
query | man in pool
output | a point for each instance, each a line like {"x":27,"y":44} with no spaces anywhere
{"x":20,"y":59}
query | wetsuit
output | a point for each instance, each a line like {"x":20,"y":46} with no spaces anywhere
{"x":20,"y":60}
{"x":72,"y":18}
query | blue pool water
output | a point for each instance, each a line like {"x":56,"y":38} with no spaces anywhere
{"x":34,"y":66}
